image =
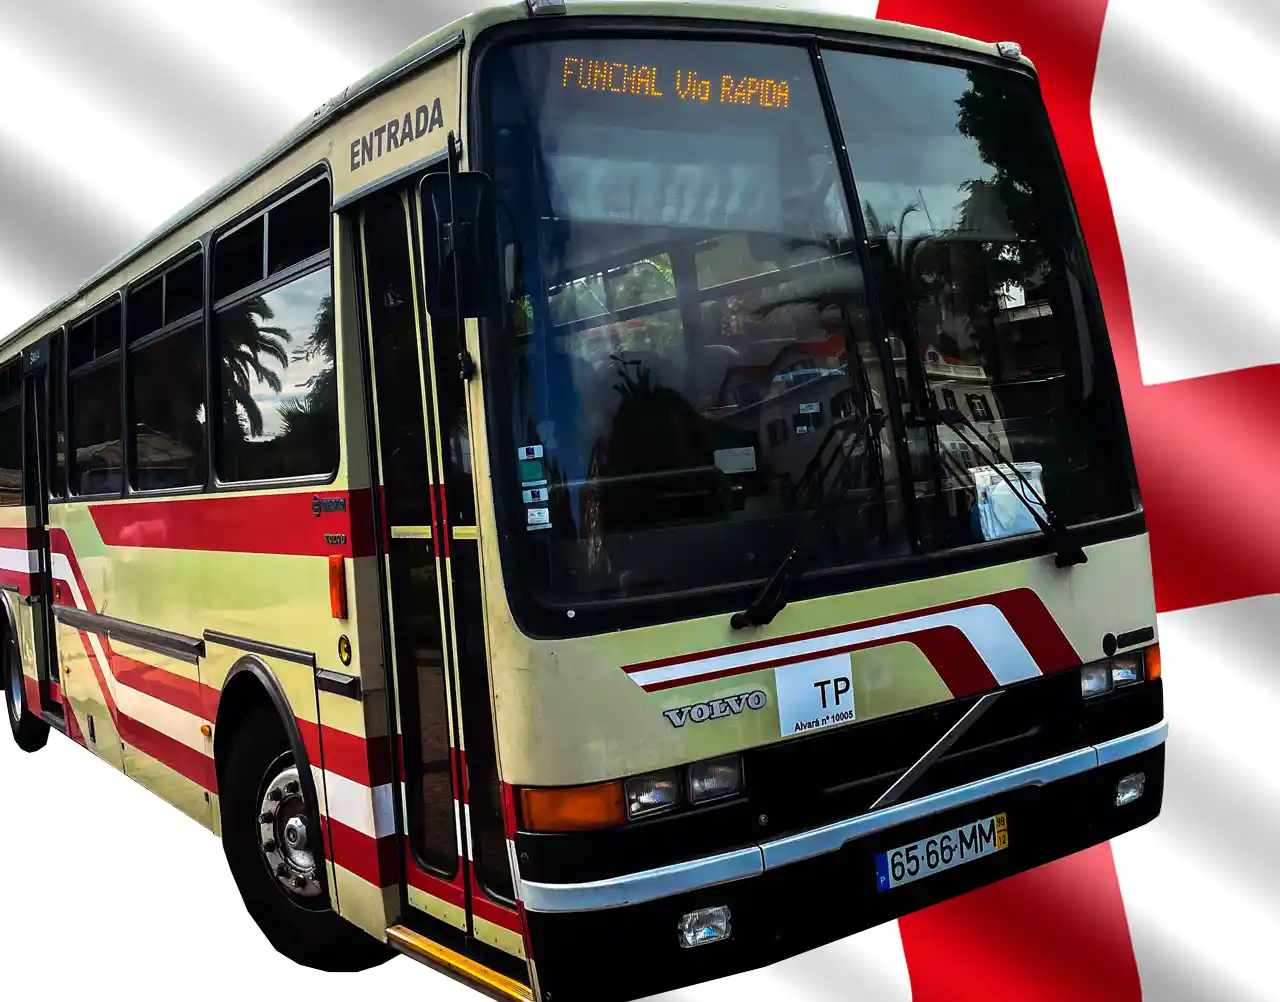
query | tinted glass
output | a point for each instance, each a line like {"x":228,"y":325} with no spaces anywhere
{"x":146,"y":309}
{"x":685,"y":311}
{"x":98,"y":460}
{"x":168,"y":389}
{"x":184,"y":290}
{"x":299,"y":227}
{"x":237,"y":260}
{"x":11,"y":455}
{"x":278,"y":392}
{"x":984,"y":278}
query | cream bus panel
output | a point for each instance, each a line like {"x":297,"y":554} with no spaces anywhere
{"x":596,"y":708}
{"x":406,"y":125}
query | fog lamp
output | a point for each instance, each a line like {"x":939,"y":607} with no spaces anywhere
{"x":706,"y":925}
{"x":715,"y":778}
{"x":1095,"y":679}
{"x":659,"y":791}
{"x":1130,"y":788}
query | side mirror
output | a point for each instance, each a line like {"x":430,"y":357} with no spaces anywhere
{"x":460,"y":244}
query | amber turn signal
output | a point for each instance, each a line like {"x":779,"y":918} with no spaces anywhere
{"x":337,"y":588}
{"x":1152,"y":657}
{"x":572,"y":808}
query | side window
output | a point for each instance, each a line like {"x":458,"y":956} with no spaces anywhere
{"x":11,"y":435}
{"x":167,"y":379}
{"x":93,"y":389}
{"x":274,"y":340}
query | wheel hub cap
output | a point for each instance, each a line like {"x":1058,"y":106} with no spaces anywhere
{"x":283,"y":836}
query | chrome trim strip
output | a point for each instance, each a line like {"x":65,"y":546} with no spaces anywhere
{"x":1132,"y":744}
{"x":648,"y":885}
{"x":940,"y":747}
{"x":831,"y":837}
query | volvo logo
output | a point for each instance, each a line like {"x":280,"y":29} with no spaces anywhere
{"x":319,"y":505}
{"x":714,"y":709}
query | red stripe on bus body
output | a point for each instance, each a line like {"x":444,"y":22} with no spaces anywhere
{"x":366,"y":761}
{"x":181,"y":759}
{"x":1038,"y":631}
{"x":948,"y":650}
{"x":176,"y":690}
{"x":55,"y":692}
{"x":370,"y":859}
{"x":18,"y":537}
{"x":21,"y":580}
{"x":277,"y":524}
{"x":32,"y":690}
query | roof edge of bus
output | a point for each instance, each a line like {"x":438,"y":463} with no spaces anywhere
{"x":487,"y":13}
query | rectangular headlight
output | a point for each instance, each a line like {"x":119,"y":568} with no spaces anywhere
{"x":1127,"y":669}
{"x":658,"y":791}
{"x":715,"y":778}
{"x":1095,"y":679}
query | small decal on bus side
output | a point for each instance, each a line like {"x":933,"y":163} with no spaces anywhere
{"x":714,"y":709}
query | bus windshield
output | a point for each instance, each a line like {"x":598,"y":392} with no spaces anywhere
{"x":689,"y":352}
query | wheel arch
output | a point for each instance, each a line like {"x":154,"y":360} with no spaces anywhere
{"x":251,"y":684}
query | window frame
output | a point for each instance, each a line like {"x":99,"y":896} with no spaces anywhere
{"x":199,"y":317}
{"x":116,"y":298}
{"x":269,"y":283}
{"x":548,"y":621}
{"x":203,"y":245}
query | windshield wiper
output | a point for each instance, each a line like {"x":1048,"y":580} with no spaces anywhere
{"x":1069,"y":551}
{"x":773,"y":597}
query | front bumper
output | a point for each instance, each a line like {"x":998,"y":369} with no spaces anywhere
{"x":616,"y":939}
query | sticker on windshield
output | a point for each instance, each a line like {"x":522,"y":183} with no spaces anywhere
{"x":815,"y":694}
{"x":736,"y":460}
{"x":811,"y":408}
{"x":539,"y":518}
{"x":532,"y":472}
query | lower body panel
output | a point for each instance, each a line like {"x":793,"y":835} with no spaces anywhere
{"x":803,"y":898}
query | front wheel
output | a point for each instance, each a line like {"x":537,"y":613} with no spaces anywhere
{"x":273,"y":846}
{"x":29,"y":731}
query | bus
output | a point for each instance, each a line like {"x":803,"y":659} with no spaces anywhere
{"x":668,"y":498}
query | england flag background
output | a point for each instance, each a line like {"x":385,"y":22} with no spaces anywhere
{"x":115,"y":114}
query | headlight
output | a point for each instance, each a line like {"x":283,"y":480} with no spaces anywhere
{"x":1126,"y":669}
{"x":1095,"y":679}
{"x":714,"y":779}
{"x":658,"y":791}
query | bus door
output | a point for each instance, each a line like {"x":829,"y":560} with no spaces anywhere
{"x":454,"y":845}
{"x":40,"y":368}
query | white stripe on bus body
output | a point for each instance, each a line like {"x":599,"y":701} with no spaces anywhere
{"x":169,"y":720}
{"x":19,"y":561}
{"x":359,"y":807}
{"x":985,"y":627}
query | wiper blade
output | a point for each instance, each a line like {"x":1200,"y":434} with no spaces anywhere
{"x":1069,"y":551}
{"x":773,"y":597}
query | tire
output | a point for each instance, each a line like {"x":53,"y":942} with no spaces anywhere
{"x":29,"y":731}
{"x":299,"y":924}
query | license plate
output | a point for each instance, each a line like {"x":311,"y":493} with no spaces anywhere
{"x":941,"y":852}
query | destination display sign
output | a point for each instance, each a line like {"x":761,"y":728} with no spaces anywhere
{"x":634,"y":81}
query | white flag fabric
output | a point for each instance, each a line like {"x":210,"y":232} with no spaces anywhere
{"x":1168,"y":116}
